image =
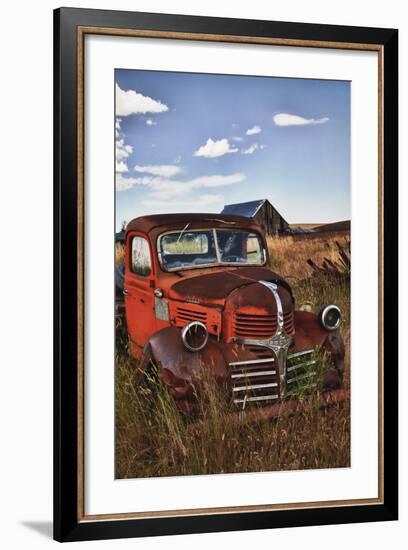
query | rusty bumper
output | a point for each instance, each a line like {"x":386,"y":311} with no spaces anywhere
{"x":294,"y":406}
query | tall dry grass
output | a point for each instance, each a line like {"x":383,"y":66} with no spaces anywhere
{"x":153,"y":439}
{"x":119,"y":253}
{"x":290,"y":254}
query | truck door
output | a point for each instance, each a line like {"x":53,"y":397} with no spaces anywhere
{"x":139,"y":285}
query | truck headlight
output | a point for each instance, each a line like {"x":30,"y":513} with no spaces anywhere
{"x":194,"y":336}
{"x":330,"y":317}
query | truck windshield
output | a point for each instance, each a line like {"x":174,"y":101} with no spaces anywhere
{"x":197,"y":248}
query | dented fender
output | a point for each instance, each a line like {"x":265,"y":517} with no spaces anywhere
{"x":309,"y":333}
{"x":180,"y":370}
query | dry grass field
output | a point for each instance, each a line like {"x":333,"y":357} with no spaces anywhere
{"x":153,"y":439}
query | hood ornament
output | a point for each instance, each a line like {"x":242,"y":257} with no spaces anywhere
{"x":279,"y":343}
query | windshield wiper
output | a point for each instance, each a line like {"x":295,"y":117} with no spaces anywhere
{"x":181,"y":234}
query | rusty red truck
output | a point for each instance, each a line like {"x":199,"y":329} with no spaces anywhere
{"x":199,"y":292}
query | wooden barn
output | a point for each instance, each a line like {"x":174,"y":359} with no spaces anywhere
{"x":120,"y":243}
{"x":263,"y":212}
{"x":120,"y":235}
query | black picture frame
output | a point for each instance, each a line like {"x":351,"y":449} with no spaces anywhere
{"x":67,"y":523}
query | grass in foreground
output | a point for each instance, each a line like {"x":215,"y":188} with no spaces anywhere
{"x":153,"y":439}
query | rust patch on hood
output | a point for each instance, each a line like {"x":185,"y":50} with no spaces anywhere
{"x":257,"y":300}
{"x":218,"y":285}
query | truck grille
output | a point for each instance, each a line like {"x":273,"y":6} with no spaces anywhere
{"x":261,"y":326}
{"x":185,"y":316}
{"x":289,"y":322}
{"x":254,"y":380}
{"x":301,"y":372}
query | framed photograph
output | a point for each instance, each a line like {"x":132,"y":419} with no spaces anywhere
{"x":225,"y":274}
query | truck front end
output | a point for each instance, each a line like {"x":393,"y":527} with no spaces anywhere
{"x":231,"y":315}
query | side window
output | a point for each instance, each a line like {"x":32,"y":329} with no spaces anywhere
{"x":254,"y":252}
{"x":141,"y":263}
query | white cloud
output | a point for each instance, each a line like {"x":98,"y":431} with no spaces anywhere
{"x":117,"y":128}
{"x":254,"y":130}
{"x":250,"y":149}
{"x":161,"y":188}
{"x":216,"y":181}
{"x":123,"y":184}
{"x":130,"y":102}
{"x":122,"y":150}
{"x":151,"y":122}
{"x":237,"y":138}
{"x":163,"y":170}
{"x":121,"y":167}
{"x":202,"y":202}
{"x":215,"y":148}
{"x":286,"y":119}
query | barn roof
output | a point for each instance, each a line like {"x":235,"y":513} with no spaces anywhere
{"x":120,"y":236}
{"x":247,"y":209}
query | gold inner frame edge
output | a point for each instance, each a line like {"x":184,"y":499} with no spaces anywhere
{"x":81,"y":33}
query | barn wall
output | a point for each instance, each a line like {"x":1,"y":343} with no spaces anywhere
{"x":270,"y":219}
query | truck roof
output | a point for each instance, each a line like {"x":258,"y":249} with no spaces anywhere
{"x":146,"y":224}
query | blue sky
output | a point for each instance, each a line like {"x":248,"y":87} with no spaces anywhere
{"x":190,"y":142}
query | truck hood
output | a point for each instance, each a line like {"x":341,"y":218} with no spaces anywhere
{"x":213,"y":288}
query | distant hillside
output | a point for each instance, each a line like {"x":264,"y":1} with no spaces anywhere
{"x":336,"y":226}
{"x":326,"y":227}
{"x":305,"y":225}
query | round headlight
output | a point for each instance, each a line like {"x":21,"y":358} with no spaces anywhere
{"x":330,"y":317}
{"x":194,"y":336}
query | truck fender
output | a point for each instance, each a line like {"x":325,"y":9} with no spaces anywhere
{"x":310,"y":334}
{"x":180,"y":370}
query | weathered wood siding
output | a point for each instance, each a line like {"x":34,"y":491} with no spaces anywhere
{"x":271,"y":221}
